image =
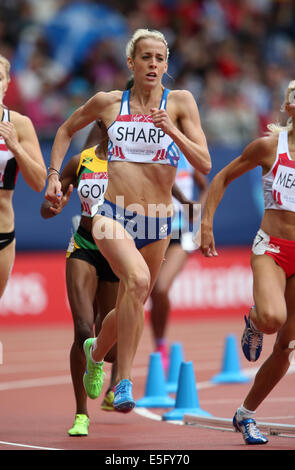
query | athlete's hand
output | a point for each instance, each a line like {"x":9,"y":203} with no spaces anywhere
{"x":162,"y":120}
{"x":207,"y":245}
{"x":9,"y":134}
{"x":53,"y":191}
{"x":58,"y":206}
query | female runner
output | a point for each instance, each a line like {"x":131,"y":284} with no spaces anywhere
{"x":272,"y":259}
{"x":148,"y":126}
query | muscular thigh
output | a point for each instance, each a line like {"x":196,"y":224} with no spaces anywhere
{"x":287,"y":332}
{"x":174,"y":260}
{"x":105,"y":299}
{"x":154,"y":254}
{"x":269,"y":282}
{"x":82,"y":282}
{"x":117,"y":246}
{"x":7,"y":256}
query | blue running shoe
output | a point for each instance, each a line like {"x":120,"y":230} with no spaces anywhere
{"x":250,"y":431}
{"x":124,"y":401}
{"x":251,"y":342}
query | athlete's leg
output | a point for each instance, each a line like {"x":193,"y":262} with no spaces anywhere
{"x":269,"y":283}
{"x":105,"y":301}
{"x":175,"y":258}
{"x":270,"y":314}
{"x":153,"y":254}
{"x":276,"y":366}
{"x":7,"y":256}
{"x":81,"y":287}
{"x":128,"y":316}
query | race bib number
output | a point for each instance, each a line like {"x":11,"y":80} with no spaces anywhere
{"x":283,"y":188}
{"x":91,"y":192}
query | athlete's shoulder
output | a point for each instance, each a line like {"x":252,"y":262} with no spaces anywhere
{"x":18,"y":118}
{"x":261,"y":148}
{"x":180,"y":95}
{"x":266,"y":143}
{"x":89,"y":149}
{"x":88,"y":152}
{"x":23,"y":124}
{"x":108,"y":97}
{"x":183,"y":102}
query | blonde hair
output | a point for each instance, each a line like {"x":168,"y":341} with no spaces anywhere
{"x":277,"y":127}
{"x":6,"y":65}
{"x":144,"y":34}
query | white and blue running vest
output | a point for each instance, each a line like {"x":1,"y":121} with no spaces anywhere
{"x":134,"y":137}
{"x":185,"y":182}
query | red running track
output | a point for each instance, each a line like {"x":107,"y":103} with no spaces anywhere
{"x":37,"y":403}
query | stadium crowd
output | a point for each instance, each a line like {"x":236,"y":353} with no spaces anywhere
{"x":235,"y":56}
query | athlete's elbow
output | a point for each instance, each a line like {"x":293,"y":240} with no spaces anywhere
{"x":37,"y":187}
{"x":207,"y":167}
{"x":38,"y":183}
{"x":41,"y":181}
{"x":64,"y":132}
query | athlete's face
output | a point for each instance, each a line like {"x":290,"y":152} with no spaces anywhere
{"x":290,"y":106}
{"x":149,"y":63}
{"x":3,"y":82}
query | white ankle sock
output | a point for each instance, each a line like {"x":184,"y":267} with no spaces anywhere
{"x":93,"y":348}
{"x":252,"y":325}
{"x":243,"y":413}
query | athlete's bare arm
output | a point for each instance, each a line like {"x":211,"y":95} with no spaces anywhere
{"x":21,"y":139}
{"x":102,"y":106}
{"x":187,"y":131}
{"x":68,"y":180}
{"x":255,"y":154}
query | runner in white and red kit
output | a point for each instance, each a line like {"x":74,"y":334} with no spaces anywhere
{"x":19,"y":151}
{"x":272,"y":259}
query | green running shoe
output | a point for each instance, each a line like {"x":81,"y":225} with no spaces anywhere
{"x":80,"y":426}
{"x":93,"y":377}
{"x":107,"y":404}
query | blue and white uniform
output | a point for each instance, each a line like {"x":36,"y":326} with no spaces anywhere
{"x":181,"y":227}
{"x":134,"y":138}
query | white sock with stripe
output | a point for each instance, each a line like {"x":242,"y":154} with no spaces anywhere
{"x":243,"y":413}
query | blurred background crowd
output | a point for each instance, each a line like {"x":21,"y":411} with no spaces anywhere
{"x":235,"y":56}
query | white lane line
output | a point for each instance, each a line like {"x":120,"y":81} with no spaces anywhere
{"x":150,"y":415}
{"x":251,"y":372}
{"x":66,"y":379}
{"x":55,"y":380}
{"x":137,"y":372}
{"x":31,"y":383}
{"x":15,"y":444}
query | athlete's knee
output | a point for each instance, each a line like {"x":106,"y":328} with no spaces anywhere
{"x":285,"y":349}
{"x":161,"y":288}
{"x":138,"y":283}
{"x":83,"y":330}
{"x":160,"y":294}
{"x":269,"y":319}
